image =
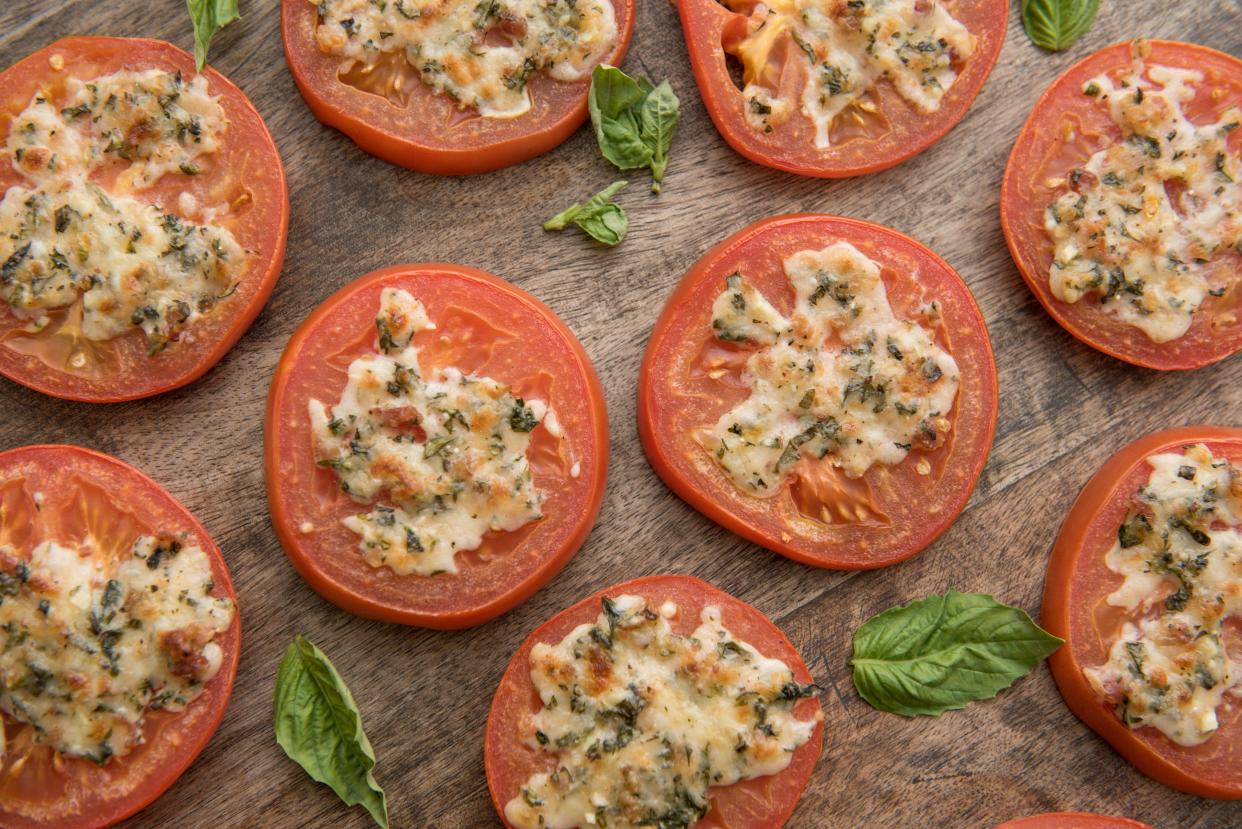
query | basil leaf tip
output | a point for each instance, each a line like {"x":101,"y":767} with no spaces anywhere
{"x":940,"y":653}
{"x":634,"y":121}
{"x":1056,"y":24}
{"x":208,"y":17}
{"x":599,"y":216}
{"x":319,"y":727}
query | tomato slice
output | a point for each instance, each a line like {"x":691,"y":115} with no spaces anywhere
{"x":487,"y":327}
{"x":64,"y":494}
{"x":245,"y":173}
{"x":1072,"y":820}
{"x":1042,"y":154}
{"x":427,"y":131}
{"x":821,"y":517}
{"x":758,"y":803}
{"x":1079,"y":581}
{"x":874,"y":140}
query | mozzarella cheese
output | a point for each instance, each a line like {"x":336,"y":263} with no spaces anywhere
{"x":842,"y":379}
{"x":642,"y":721}
{"x":89,"y":645}
{"x":65,"y":238}
{"x":1140,"y":223}
{"x":447,"y":452}
{"x":850,"y":47}
{"x":479,"y":53}
{"x":1180,"y":553}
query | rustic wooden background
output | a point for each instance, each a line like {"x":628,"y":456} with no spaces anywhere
{"x":424,"y":695}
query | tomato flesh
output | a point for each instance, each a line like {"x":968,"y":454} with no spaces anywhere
{"x":421,"y":129}
{"x":1042,"y":155}
{"x":1075,"y":608}
{"x":85,"y":495}
{"x":758,"y":803}
{"x":1072,"y":820}
{"x":481,"y":320}
{"x":866,"y":144}
{"x":689,"y":379}
{"x":245,"y":173}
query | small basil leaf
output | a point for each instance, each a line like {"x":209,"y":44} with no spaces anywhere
{"x":622,"y":142}
{"x":319,"y":727}
{"x":658,"y":119}
{"x":1055,"y":24}
{"x":612,"y":93}
{"x":599,"y":217}
{"x":209,"y":16}
{"x":940,"y":653}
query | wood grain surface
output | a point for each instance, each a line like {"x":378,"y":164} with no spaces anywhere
{"x":424,"y":695}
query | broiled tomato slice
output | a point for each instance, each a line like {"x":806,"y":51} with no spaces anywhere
{"x":1072,"y":820}
{"x":877,"y":130}
{"x":1065,"y":128}
{"x":485,"y":327}
{"x":241,"y":185}
{"x":758,"y":803}
{"x":70,"y":495}
{"x":817,"y":514}
{"x":1075,"y":607}
{"x":388,"y":110}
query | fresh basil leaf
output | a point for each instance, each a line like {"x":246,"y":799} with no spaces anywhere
{"x":209,"y":16}
{"x":599,"y":217}
{"x":658,"y":119}
{"x":1056,"y":24}
{"x":622,"y":142}
{"x":612,"y":93}
{"x":940,"y":653}
{"x":319,"y":727}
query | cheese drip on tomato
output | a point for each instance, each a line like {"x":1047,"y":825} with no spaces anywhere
{"x":89,"y":645}
{"x":67,"y":236}
{"x":1180,"y":553}
{"x":1142,"y":224}
{"x":845,"y":49}
{"x":482,"y":54}
{"x":441,"y":458}
{"x":842,"y":379}
{"x":641,"y":721}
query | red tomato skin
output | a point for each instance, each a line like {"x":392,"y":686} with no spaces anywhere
{"x":760,"y":803}
{"x":1206,"y":342}
{"x":707,"y":24}
{"x":855,"y":552}
{"x":208,"y":709}
{"x":437,"y":612}
{"x":398,"y":136}
{"x":1068,"y":606}
{"x":263,"y":173}
{"x":1072,"y":820}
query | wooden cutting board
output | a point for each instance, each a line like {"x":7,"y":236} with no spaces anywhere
{"x":424,"y":695}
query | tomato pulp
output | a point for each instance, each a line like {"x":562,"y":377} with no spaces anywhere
{"x":69,"y":494}
{"x":1077,"y":586}
{"x":758,"y":803}
{"x":485,"y":326}
{"x":245,"y":174}
{"x":425,"y":130}
{"x":1063,"y":131}
{"x":820,"y":517}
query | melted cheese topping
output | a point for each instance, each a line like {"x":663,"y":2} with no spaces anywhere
{"x":843,"y":377}
{"x":63,"y":237}
{"x":88,"y":646}
{"x":851,"y":46}
{"x":1180,"y":553}
{"x":1143,"y":218}
{"x":448,"y":452}
{"x":642,"y":721}
{"x":480,"y":53}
